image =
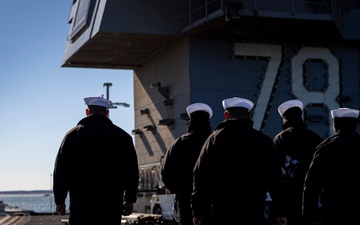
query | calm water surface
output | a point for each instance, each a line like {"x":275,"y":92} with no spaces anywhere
{"x":41,"y":203}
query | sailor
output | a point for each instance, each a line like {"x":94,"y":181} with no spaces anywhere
{"x":180,"y":158}
{"x":334,"y":173}
{"x":236,"y":153}
{"x":295,"y":146}
{"x":97,"y":167}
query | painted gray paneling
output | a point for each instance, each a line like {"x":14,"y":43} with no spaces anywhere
{"x":143,"y":17}
{"x":215,"y":76}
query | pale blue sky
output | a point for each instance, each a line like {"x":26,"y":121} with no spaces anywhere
{"x":40,"y":100}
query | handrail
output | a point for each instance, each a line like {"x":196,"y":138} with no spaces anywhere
{"x":201,"y":10}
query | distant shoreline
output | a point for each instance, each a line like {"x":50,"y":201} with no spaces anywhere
{"x":26,"y":192}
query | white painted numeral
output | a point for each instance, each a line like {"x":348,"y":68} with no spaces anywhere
{"x":262,"y":50}
{"x":327,"y":98}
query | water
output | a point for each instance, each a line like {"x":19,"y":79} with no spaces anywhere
{"x":40,"y":203}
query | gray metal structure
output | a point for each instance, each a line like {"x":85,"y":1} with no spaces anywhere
{"x":182,"y":52}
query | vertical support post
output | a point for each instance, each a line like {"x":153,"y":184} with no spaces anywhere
{"x":108,"y":85}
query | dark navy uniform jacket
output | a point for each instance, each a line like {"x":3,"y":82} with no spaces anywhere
{"x":297,"y":142}
{"x":97,"y":165}
{"x":335,"y":172}
{"x":179,"y":161}
{"x":235,"y":169}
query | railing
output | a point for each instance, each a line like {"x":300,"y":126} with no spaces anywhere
{"x":201,"y":11}
{"x":293,"y":6}
{"x":150,"y":177}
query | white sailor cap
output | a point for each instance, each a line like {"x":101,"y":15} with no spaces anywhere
{"x":289,"y":104}
{"x":199,"y":107}
{"x":237,"y":102}
{"x":344,"y":112}
{"x":98,"y":101}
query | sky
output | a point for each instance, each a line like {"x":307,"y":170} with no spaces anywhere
{"x":40,"y":100}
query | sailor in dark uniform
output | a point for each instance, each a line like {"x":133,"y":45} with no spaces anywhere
{"x":296,"y":145}
{"x":180,"y":158}
{"x":97,"y":167}
{"x":235,"y":169}
{"x":335,"y":173}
